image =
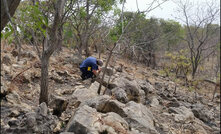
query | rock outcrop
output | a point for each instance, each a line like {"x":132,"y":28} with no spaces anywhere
{"x":137,"y":100}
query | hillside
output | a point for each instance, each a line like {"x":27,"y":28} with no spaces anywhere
{"x":138,"y":99}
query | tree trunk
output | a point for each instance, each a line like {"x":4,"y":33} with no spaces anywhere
{"x":87,"y":52}
{"x":80,"y":48}
{"x":59,"y":49}
{"x":12,"y":6}
{"x":47,"y":52}
{"x":44,"y":79}
{"x":194,"y":71}
{"x":86,"y":30}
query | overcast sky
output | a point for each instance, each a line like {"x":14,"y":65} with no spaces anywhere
{"x":166,"y":11}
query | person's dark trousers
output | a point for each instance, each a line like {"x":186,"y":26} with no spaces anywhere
{"x":86,"y":74}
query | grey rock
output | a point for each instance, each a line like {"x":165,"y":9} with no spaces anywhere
{"x":82,"y":94}
{"x":202,"y":113}
{"x":173,"y":104}
{"x":108,"y":92}
{"x":116,"y":122}
{"x":87,"y":120}
{"x":130,"y":86}
{"x":182,"y":114}
{"x":186,"y":104}
{"x":109,"y":71}
{"x":146,"y":87}
{"x":120,"y":95}
{"x":42,"y":109}
{"x":58,"y":104}
{"x":105,"y":104}
{"x":13,"y":122}
{"x":31,"y":119}
{"x":6,"y":60}
{"x":139,"y":117}
{"x":82,"y":121}
{"x":154,"y":102}
{"x":33,"y":122}
{"x":159,"y":86}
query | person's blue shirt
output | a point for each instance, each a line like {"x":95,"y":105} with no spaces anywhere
{"x":90,"y":62}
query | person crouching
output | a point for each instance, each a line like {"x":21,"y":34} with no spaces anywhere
{"x":90,"y":67}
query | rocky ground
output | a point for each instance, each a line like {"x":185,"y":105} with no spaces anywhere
{"x":137,"y":100}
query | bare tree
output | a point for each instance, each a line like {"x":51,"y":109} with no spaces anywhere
{"x":199,"y":29}
{"x":49,"y":47}
{"x":123,"y":32}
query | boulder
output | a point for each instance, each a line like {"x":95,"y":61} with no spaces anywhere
{"x":109,"y":71}
{"x":202,"y":113}
{"x":31,"y":119}
{"x":173,"y":103}
{"x":120,"y":95}
{"x":87,"y":120}
{"x":105,"y":81}
{"x":42,"y":109}
{"x":58,"y":104}
{"x":131,"y":87}
{"x":137,"y":115}
{"x":140,"y":118}
{"x":33,"y":122}
{"x":82,"y":122}
{"x":105,"y":104}
{"x":146,"y":87}
{"x":115,"y":122}
{"x":159,"y":86}
{"x":154,"y":102}
{"x":82,"y":93}
{"x":182,"y":114}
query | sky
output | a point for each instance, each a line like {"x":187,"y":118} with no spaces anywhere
{"x":166,"y":11}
